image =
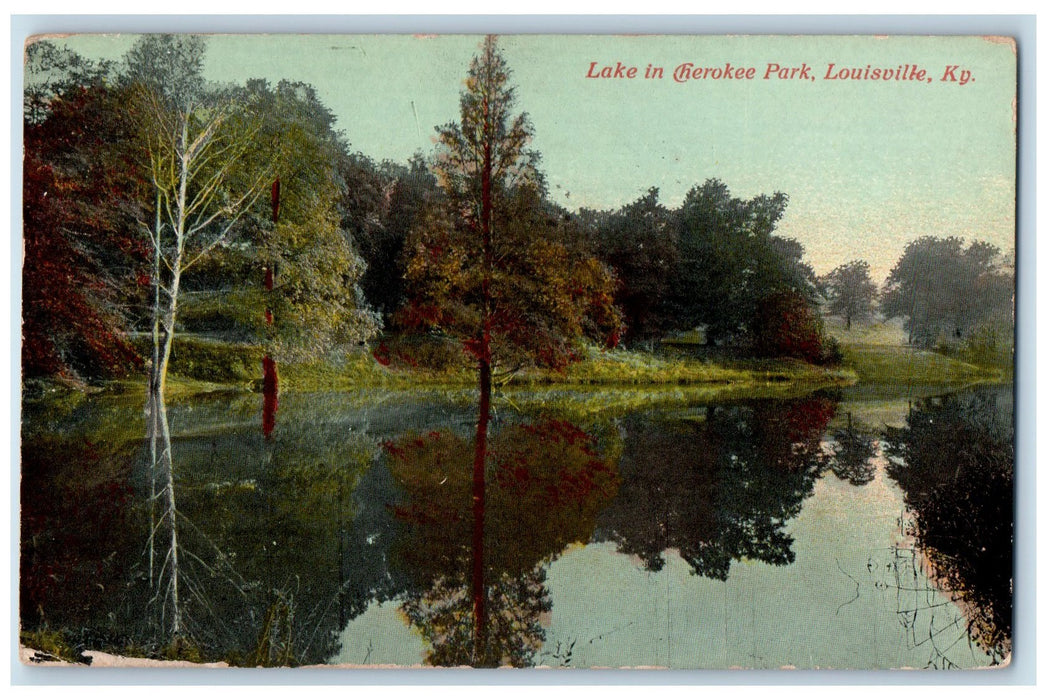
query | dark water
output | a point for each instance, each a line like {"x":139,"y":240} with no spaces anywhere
{"x":811,"y":532}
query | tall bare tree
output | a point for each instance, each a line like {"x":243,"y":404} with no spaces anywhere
{"x":195,"y":140}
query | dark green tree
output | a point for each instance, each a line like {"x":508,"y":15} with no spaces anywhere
{"x":850,"y":291}
{"x":383,"y":226}
{"x":946,"y":289}
{"x":639,"y":244}
{"x":730,"y":260}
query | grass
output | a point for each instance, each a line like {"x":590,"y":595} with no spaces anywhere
{"x":625,"y":368}
{"x":51,"y":645}
{"x":617,"y":368}
{"x":879,"y":354}
{"x":888,"y":332}
{"x":904,"y":366}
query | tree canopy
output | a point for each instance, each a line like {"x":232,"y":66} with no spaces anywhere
{"x":490,"y":264}
{"x":946,"y":289}
{"x":850,"y":291}
{"x":640,"y":245}
{"x":730,"y":259}
{"x":461,"y":248}
{"x":84,"y":263}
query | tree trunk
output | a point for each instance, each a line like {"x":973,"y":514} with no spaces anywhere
{"x":480,"y":455}
{"x":152,"y":408}
{"x":270,"y":395}
{"x":479,"y":505}
{"x":154,"y":368}
{"x":169,"y":331}
{"x":270,"y":378}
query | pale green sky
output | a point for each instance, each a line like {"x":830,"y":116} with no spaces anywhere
{"x":868,"y":166}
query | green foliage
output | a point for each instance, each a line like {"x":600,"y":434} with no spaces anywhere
{"x":639,"y":244}
{"x":233,"y":314}
{"x":51,"y":645}
{"x":211,"y":360}
{"x":945,"y":290}
{"x":850,"y":291}
{"x":730,"y":260}
{"x":316,"y":304}
{"x":989,"y":346}
{"x":382,"y":222}
{"x":171,"y":67}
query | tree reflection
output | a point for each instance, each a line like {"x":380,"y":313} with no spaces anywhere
{"x":850,"y":454}
{"x":79,"y":534}
{"x":164,"y":576}
{"x":954,"y":461}
{"x":270,"y":538}
{"x":718,"y":488}
{"x":545,"y":483}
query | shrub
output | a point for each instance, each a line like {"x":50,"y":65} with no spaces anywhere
{"x":785,"y":326}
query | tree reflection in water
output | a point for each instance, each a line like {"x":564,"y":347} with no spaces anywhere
{"x":954,"y":461}
{"x":285,"y":540}
{"x":545,"y":485}
{"x":850,"y":454}
{"x":80,"y":536}
{"x":718,"y":488}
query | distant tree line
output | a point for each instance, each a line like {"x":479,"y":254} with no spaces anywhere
{"x":948,"y":294}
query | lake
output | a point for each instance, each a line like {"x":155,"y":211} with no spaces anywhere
{"x":839,"y":529}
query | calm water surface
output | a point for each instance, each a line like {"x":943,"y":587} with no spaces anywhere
{"x":811,"y":532}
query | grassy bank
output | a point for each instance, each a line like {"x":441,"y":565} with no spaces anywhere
{"x":611,"y":369}
{"x":203,"y":365}
{"x":878,"y":354}
{"x":904,"y":366}
{"x":873,"y":355}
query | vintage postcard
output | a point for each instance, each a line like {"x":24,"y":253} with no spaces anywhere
{"x":679,"y":352}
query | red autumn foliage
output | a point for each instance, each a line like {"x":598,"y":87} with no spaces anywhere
{"x":789,"y":431}
{"x":83,"y":260}
{"x":785,"y":326}
{"x":547,"y":482}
